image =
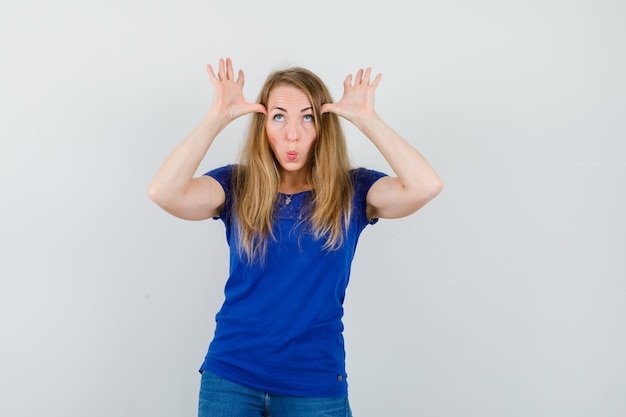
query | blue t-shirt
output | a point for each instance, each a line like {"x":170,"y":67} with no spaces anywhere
{"x":280,"y":327}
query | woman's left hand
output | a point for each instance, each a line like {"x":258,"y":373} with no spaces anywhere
{"x":358,"y":96}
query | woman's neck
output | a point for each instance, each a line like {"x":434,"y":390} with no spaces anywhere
{"x":293,"y":183}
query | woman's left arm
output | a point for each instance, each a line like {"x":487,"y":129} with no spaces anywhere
{"x":416,"y":182}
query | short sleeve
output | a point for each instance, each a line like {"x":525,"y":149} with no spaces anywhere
{"x":363,"y":180}
{"x":224,"y":176}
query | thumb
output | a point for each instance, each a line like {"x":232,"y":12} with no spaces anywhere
{"x":259,"y":108}
{"x":326,"y":108}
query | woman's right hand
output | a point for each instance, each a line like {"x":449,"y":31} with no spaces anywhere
{"x":174,"y":187}
{"x":228,"y":99}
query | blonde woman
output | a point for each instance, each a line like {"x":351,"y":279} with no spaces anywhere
{"x":293,"y":209}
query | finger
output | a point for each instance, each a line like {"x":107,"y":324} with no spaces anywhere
{"x":221,"y":73}
{"x":260,"y":108}
{"x":240,"y":78}
{"x":377,"y":80}
{"x":229,"y":69}
{"x":367,"y":75}
{"x":359,"y":77}
{"x":347,"y":83}
{"x":212,"y":76}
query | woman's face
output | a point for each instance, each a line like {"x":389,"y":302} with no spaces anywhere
{"x":290,"y":127}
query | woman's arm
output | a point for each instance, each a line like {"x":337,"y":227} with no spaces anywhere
{"x":174,"y":188}
{"x":416,"y":182}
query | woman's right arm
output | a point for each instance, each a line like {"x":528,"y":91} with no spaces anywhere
{"x":174,"y":187}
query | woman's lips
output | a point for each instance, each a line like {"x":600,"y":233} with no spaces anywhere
{"x":292,"y":155}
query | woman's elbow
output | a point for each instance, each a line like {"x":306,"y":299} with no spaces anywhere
{"x":427,"y":193}
{"x":153,"y":192}
{"x":158,"y":195}
{"x":436,"y":187}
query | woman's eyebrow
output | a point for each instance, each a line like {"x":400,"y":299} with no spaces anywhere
{"x":284,"y":110}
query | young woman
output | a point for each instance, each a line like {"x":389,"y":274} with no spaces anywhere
{"x":293,"y":208}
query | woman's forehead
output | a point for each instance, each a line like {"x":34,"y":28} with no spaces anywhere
{"x":286,"y":95}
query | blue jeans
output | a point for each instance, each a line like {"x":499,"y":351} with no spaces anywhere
{"x":222,"y":398}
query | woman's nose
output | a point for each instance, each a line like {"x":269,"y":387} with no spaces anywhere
{"x":293,"y":131}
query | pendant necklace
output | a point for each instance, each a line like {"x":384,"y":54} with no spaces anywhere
{"x":287,"y":200}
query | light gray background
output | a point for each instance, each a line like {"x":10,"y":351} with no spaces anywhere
{"x":505,"y":296}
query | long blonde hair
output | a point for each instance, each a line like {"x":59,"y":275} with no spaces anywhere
{"x":257,"y":177}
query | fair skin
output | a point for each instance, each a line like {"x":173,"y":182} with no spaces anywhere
{"x":176,"y":190}
{"x":291,"y":134}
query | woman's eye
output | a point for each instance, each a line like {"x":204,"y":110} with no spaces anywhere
{"x":278,"y":117}
{"x":308,"y":117}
